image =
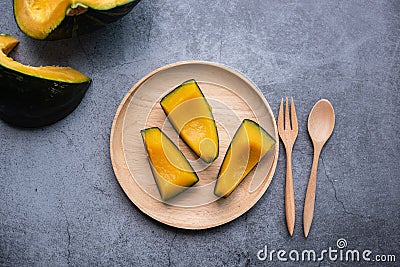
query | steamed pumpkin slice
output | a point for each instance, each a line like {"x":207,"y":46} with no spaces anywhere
{"x":58,"y":19}
{"x":171,"y":170}
{"x":190,"y":114}
{"x":248,"y":146}
{"x":36,"y":96}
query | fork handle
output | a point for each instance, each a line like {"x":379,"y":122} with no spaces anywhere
{"x":289,"y":194}
{"x":310,"y":194}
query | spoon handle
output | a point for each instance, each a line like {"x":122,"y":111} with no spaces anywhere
{"x":289,"y":193}
{"x":310,"y":194}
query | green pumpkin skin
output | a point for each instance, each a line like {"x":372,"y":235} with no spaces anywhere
{"x":28,"y":101}
{"x":36,"y":96}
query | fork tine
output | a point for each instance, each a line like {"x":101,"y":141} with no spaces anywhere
{"x":287,"y":118}
{"x":295,"y":125}
{"x":280,"y":117}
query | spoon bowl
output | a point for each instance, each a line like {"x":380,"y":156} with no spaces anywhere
{"x":321,"y":121}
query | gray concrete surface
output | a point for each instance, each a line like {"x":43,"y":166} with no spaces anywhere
{"x":60,"y":203}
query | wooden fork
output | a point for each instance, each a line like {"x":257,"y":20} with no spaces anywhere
{"x":288,"y":129}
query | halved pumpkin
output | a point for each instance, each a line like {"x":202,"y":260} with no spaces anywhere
{"x":36,"y":96}
{"x":171,"y":170}
{"x":248,"y":146}
{"x":58,"y":19}
{"x":191,"y":115}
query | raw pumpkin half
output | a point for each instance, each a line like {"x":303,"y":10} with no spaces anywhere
{"x":58,"y":19}
{"x":36,"y":96}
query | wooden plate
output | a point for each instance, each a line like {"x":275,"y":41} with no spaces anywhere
{"x":233,"y":98}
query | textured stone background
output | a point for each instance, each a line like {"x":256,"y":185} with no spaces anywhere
{"x":60,"y":203}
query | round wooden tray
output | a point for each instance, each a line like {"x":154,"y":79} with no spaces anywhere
{"x":233,"y":98}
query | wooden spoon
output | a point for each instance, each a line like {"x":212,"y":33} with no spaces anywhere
{"x":321,"y":122}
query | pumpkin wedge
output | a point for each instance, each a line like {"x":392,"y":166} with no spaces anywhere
{"x":59,"y":19}
{"x":189,"y":112}
{"x":36,"y":96}
{"x":171,"y":170}
{"x":248,"y":146}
